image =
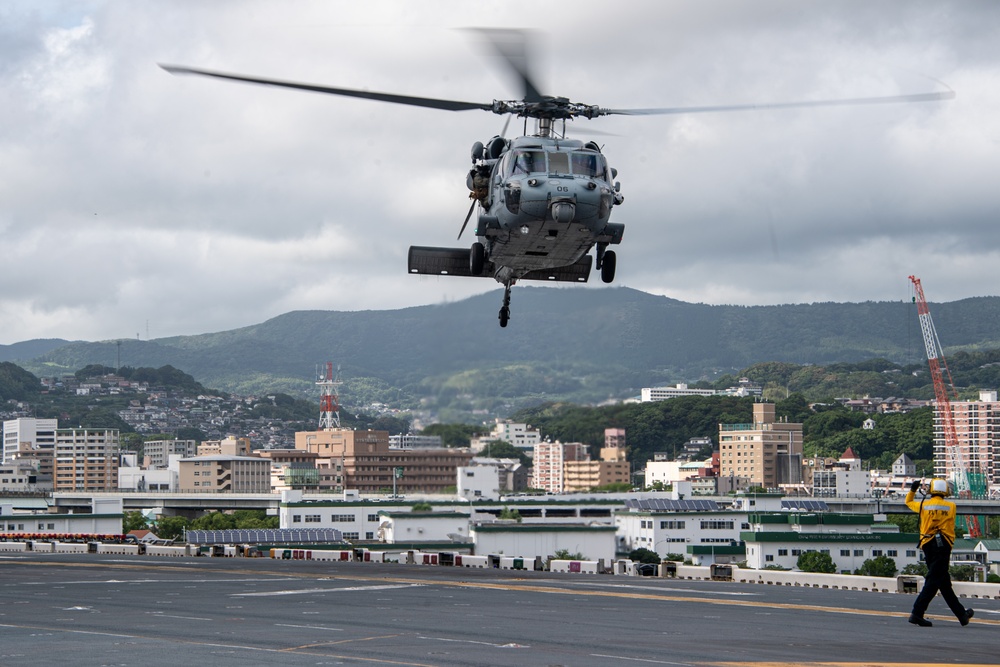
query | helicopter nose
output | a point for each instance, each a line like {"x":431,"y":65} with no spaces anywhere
{"x":563,"y":211}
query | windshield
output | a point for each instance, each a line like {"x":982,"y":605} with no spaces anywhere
{"x":588,"y":164}
{"x":529,"y":162}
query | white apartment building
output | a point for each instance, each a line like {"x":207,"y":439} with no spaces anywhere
{"x":521,"y":436}
{"x":40,"y":433}
{"x":653,"y":394}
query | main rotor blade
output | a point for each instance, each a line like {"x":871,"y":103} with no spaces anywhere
{"x":428,"y":102}
{"x":512,"y":45}
{"x":855,"y":101}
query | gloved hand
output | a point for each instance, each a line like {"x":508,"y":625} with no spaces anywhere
{"x":915,"y":486}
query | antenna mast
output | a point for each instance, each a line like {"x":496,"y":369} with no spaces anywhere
{"x":329,"y":402}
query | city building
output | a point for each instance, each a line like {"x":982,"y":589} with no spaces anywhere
{"x":653,"y":394}
{"x":522,"y":436}
{"x":228,"y":446}
{"x":411,"y":441}
{"x":849,"y":539}
{"x":584,"y":475}
{"x":478,"y":482}
{"x":844,"y":478}
{"x":530,"y":541}
{"x":363,"y":461}
{"x":36,"y":434}
{"x":17,"y":476}
{"x":549,"y":463}
{"x":105,"y":518}
{"x":977,"y":427}
{"x":292,"y":469}
{"x":223,"y":473}
{"x":156,"y":453}
{"x":85,"y":459}
{"x":766,"y":453}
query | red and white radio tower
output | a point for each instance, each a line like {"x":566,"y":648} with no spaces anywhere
{"x":329,"y":414}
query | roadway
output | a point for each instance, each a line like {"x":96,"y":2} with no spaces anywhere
{"x":123,"y":611}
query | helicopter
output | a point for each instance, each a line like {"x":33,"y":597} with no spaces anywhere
{"x":545,"y":200}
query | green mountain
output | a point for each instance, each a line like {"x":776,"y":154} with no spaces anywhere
{"x":583,"y":345}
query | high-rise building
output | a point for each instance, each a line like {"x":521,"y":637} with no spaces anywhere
{"x":85,"y":459}
{"x":549,"y":463}
{"x":766,"y":453}
{"x":40,"y":434}
{"x":977,"y":426}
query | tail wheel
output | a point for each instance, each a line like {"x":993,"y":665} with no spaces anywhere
{"x":477,"y":259}
{"x":608,"y":266}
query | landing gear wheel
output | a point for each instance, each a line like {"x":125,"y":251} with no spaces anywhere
{"x":505,"y":308}
{"x":477,"y":259}
{"x":608,"y":266}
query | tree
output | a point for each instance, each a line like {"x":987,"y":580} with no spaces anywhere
{"x":170,"y":527}
{"x":919,"y":569}
{"x":510,"y":514}
{"x":422,"y":507}
{"x":501,"y":449}
{"x":880,"y":566}
{"x":816,"y":561}
{"x":134,"y":521}
{"x":643,"y":555}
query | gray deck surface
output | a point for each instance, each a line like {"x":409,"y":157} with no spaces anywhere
{"x":60,"y":609}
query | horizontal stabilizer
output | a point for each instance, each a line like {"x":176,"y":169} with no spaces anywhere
{"x":442,"y":262}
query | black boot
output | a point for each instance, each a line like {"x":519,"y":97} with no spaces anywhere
{"x":969,"y":613}
{"x":921,"y":621}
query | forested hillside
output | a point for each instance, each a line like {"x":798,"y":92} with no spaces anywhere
{"x":579,"y":345}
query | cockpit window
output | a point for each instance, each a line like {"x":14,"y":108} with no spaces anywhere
{"x":528,"y":162}
{"x":588,"y":164}
{"x":559,"y":163}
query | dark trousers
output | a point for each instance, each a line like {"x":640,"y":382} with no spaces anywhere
{"x":938,"y":559}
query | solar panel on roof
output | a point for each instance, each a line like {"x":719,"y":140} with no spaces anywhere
{"x":263,"y":535}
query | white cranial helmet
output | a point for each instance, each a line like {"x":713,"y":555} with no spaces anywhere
{"x":940,"y":487}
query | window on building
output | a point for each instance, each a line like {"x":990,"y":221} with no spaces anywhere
{"x":859,"y":552}
{"x":796,"y":552}
{"x":782,"y":552}
{"x":769,"y":558}
{"x":892,"y":553}
{"x":876,"y":553}
{"x":845,"y":552}
{"x":296,"y":518}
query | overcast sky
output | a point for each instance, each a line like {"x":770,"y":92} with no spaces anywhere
{"x":136,"y":203}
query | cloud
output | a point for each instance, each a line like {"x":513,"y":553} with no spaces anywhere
{"x":133,"y":196}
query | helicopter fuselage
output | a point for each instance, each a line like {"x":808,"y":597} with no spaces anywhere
{"x":547,"y":203}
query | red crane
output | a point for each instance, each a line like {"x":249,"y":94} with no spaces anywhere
{"x":936,"y":361}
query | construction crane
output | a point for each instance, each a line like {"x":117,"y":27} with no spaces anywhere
{"x":953,"y":456}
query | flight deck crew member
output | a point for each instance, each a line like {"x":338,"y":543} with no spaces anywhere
{"x":937,"y":536}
